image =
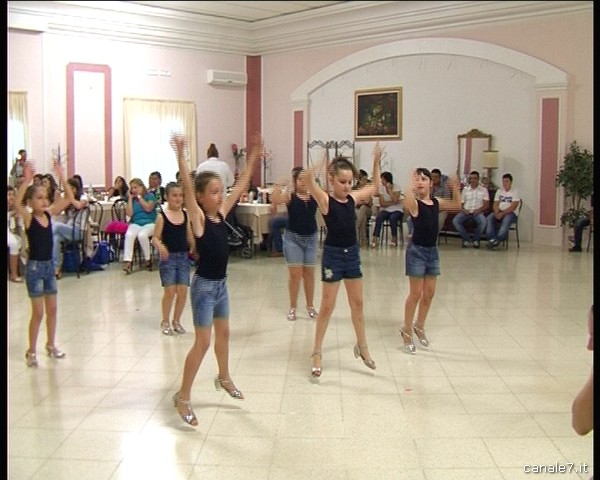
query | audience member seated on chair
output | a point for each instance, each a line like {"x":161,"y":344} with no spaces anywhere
{"x":119,"y":188}
{"x":475,"y":201}
{"x":580,"y":226}
{"x":141,"y":210}
{"x":391,"y":209}
{"x":278,"y":223}
{"x":363,"y":211}
{"x":155,"y":187}
{"x":504,"y":212}
{"x":14,"y":242}
{"x":64,"y":231}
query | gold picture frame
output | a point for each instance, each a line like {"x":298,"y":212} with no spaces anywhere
{"x":378,"y":113}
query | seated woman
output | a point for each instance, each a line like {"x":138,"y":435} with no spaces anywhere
{"x":141,"y":210}
{"x":119,"y":188}
{"x":62,"y":229}
{"x":391,"y":209}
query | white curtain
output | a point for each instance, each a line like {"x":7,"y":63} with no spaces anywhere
{"x":17,"y":131}
{"x":147,"y":127}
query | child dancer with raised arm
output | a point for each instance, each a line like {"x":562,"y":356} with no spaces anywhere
{"x":341,"y":253}
{"x":422,"y":256}
{"x":207,"y":208}
{"x":299,"y":242}
{"x":40,"y":276}
{"x":174,"y":241}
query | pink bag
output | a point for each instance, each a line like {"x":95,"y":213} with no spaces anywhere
{"x":116,"y":226}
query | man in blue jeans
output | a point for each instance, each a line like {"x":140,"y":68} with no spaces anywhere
{"x":475,"y":201}
{"x":504,"y":212}
{"x":579,"y":226}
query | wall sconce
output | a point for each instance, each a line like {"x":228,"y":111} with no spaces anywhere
{"x":490,"y":163}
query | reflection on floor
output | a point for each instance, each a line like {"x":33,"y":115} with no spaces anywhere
{"x":492,"y":394}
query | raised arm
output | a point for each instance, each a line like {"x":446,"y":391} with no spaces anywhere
{"x":244,"y":180}
{"x":453,"y":204}
{"x":365,"y":193}
{"x":62,"y":202}
{"x":195,"y":213}
{"x":410,"y":202}
{"x":21,"y":209}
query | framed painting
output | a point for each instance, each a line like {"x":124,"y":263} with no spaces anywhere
{"x":378,"y":113}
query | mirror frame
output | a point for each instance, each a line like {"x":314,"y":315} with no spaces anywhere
{"x":473,"y":133}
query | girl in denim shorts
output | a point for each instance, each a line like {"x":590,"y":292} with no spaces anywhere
{"x":173,"y":239}
{"x":422,"y":257}
{"x":341,"y":255}
{"x":207,"y":208}
{"x":299,"y":242}
{"x":40,"y":275}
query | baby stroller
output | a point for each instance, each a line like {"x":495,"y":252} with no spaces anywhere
{"x":240,"y":236}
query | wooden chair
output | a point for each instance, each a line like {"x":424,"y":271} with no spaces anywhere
{"x":515,"y":226}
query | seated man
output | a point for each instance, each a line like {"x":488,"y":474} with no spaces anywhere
{"x":439,"y":189}
{"x":504,"y":212}
{"x":391,"y":209}
{"x":579,"y":226}
{"x":475,"y":202}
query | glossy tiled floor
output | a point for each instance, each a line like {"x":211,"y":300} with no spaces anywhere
{"x":492,"y":394}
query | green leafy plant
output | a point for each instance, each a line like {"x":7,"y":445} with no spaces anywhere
{"x":576,"y":177}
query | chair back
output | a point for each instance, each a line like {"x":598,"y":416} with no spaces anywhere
{"x":95,"y":220}
{"x":119,"y":209}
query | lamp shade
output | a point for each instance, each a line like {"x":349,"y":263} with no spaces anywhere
{"x":490,"y":158}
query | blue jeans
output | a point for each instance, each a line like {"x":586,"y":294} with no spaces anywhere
{"x":459,"y":224}
{"x":276,"y":224}
{"x":175,"y":270}
{"x":502,"y":233}
{"x":578,"y":231}
{"x":393,"y":217}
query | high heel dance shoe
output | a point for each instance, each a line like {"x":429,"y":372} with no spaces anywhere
{"x":357,"y":353}
{"x":409,"y":346}
{"x":128,"y":267}
{"x":233,"y":392}
{"x":55,"y":352}
{"x":316,"y":371}
{"x":291,"y":316}
{"x":188,"y":417}
{"x":166,"y":329}
{"x":31,"y":359}
{"x":177,"y":328}
{"x":312,"y":312}
{"x":420,"y":333}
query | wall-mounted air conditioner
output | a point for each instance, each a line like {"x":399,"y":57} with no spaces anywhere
{"x":231,"y":79}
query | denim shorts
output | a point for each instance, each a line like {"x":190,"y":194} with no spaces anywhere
{"x":39,"y":275}
{"x":422,"y":261}
{"x":300,"y":249}
{"x":210,"y":300}
{"x":175,"y":270}
{"x":338,"y":263}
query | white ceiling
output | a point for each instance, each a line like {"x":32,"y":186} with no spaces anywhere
{"x":261,"y":28}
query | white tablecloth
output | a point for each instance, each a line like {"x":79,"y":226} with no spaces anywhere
{"x":256,"y":216}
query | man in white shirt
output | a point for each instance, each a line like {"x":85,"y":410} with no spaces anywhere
{"x":213,"y":164}
{"x":506,"y":203}
{"x":475,"y":202}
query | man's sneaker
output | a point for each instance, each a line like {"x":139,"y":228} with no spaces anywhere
{"x":575,"y":249}
{"x":476,"y":244}
{"x":493,"y":244}
{"x":465,"y":244}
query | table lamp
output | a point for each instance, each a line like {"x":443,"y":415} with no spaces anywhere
{"x":490,"y":163}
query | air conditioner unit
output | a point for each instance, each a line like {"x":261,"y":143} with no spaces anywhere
{"x":231,"y":79}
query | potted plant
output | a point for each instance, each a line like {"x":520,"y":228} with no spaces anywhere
{"x":576,"y":176}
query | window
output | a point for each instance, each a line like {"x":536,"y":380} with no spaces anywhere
{"x":17,"y":126}
{"x":147,"y":129}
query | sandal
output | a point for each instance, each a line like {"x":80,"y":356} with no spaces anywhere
{"x":128,"y":267}
{"x":233,"y":392}
{"x":148,"y":265}
{"x":420,"y":333}
{"x":16,"y":280}
{"x":314,"y":370}
{"x":166,"y":329}
{"x":189,"y":416}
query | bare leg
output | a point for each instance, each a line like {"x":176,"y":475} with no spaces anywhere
{"x":294,"y":278}
{"x":37,"y":313}
{"x":13,"y":267}
{"x":192,"y":364}
{"x":330,"y":291}
{"x":181,"y":292}
{"x":425,"y":302}
{"x":410,"y":305}
{"x":50,"y":301}
{"x":167,"y":301}
{"x":354,"y":291}
{"x":222,"y":354}
{"x":308,"y":276}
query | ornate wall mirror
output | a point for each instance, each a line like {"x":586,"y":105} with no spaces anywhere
{"x":471,"y":148}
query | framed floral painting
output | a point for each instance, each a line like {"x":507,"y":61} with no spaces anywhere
{"x":378,"y":113}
